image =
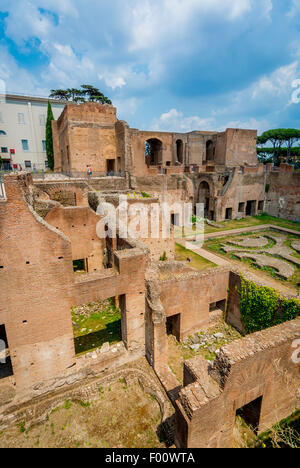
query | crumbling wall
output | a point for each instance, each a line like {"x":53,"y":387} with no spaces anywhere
{"x":86,"y":136}
{"x":175,"y":289}
{"x":35,"y":297}
{"x":67,"y":193}
{"x":79,"y":225}
{"x":283,"y":194}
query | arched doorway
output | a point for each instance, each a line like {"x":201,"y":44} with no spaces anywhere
{"x":179,"y":151}
{"x":204,"y":197}
{"x":153,"y":152}
{"x":210,"y":151}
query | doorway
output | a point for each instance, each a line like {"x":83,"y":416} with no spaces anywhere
{"x":173,"y":326}
{"x":251,"y":208}
{"x":6,"y":369}
{"x":110,"y":165}
{"x":228,"y":213}
{"x":251,"y":413}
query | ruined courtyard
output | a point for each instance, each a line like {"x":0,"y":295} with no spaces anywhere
{"x":180,"y":333}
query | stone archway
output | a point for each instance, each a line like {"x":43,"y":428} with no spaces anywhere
{"x":153,"y":152}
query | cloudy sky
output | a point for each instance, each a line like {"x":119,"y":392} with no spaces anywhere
{"x":176,"y":65}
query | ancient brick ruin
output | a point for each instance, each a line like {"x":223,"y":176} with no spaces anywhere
{"x":46,"y":225}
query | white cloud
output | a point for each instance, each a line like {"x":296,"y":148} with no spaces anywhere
{"x":277,"y":84}
{"x":126,"y":107}
{"x":251,"y":124}
{"x":156,"y":21}
{"x":16,"y":78}
{"x":175,"y":121}
{"x":295,"y":8}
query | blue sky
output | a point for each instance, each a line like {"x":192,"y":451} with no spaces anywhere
{"x":171,"y":65}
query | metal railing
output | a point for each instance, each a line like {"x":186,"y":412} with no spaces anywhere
{"x":84,"y":175}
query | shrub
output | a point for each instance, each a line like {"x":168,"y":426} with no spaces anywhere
{"x":262,"y":307}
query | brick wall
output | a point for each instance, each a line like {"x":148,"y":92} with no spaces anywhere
{"x":283,"y":197}
{"x":257,"y":366}
{"x":35,"y":297}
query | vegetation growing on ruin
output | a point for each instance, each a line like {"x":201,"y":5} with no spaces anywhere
{"x":95,"y":324}
{"x":262,"y":307}
{"x":285,"y":434}
{"x":205,"y":344}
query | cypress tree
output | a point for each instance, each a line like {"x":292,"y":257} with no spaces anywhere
{"x":49,"y":138}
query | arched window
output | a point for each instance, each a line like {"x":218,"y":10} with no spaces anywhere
{"x":153,"y":152}
{"x":2,"y":132}
{"x":179,"y":148}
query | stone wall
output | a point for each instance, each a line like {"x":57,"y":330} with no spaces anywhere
{"x":283,"y":197}
{"x":79,"y":225}
{"x":86,"y":135}
{"x":40,"y":289}
{"x":178,"y":291}
{"x":37,"y":277}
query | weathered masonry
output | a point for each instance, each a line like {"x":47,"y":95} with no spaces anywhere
{"x":257,"y":374}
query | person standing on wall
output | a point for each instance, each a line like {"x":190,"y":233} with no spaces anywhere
{"x":89,"y":171}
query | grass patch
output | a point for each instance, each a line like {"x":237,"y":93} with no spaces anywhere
{"x":206,"y":346}
{"x":95,"y":324}
{"x":253,"y":221}
{"x":117,"y":419}
{"x":216,"y":246}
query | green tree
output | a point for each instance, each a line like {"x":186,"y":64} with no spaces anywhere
{"x":277,"y":137}
{"x":291,"y":137}
{"x":49,"y":138}
{"x":283,"y":140}
{"x":75,"y":94}
{"x":94,"y":94}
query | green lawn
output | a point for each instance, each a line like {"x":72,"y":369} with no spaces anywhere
{"x":215,"y":245}
{"x":198,"y":262}
{"x":253,"y":221}
{"x":95,"y":324}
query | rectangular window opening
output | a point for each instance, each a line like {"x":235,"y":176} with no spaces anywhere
{"x":228,"y":213}
{"x":173,"y":326}
{"x":80,"y":266}
{"x":96,"y":324}
{"x":251,"y":414}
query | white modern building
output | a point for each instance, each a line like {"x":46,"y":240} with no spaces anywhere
{"x":23,"y":131}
